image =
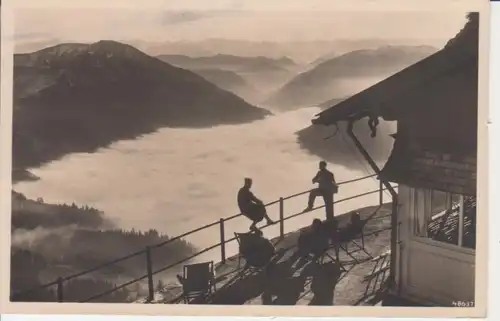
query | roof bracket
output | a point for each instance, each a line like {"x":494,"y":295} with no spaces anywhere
{"x":394,"y":216}
{"x":335,"y":133}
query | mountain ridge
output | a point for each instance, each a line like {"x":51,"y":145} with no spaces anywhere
{"x":66,"y":97}
{"x":321,"y":82}
{"x":241,"y":63}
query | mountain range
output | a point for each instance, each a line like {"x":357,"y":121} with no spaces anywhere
{"x":252,"y":78}
{"x":236,"y":63}
{"x":302,"y":52}
{"x":230,"y":81}
{"x":79,"y":97}
{"x":346,"y":74}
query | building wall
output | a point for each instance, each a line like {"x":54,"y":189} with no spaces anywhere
{"x":430,"y":271}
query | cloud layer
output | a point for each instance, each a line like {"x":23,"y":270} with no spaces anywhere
{"x":182,"y":24}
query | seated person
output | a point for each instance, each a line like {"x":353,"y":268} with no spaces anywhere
{"x":356,"y":224}
{"x":252,"y":207}
{"x":352,"y":230}
{"x":333,"y":231}
{"x":314,"y":241}
{"x":256,"y":249}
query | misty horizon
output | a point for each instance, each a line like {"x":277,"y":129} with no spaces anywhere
{"x":157,"y":31}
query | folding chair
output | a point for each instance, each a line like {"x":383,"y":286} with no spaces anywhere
{"x":355,"y":230}
{"x":198,"y":280}
{"x":320,"y":257}
{"x":332,"y":230}
{"x":238,"y":237}
{"x":350,"y":233}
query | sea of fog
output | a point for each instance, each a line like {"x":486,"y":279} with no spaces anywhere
{"x":175,"y":180}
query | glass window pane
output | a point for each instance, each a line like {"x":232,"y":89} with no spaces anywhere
{"x":437,"y":215}
{"x":443,"y":225}
{"x":420,"y":221}
{"x":469,"y":236}
{"x":439,"y":203}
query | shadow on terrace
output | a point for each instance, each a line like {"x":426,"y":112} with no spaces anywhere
{"x":355,"y":274}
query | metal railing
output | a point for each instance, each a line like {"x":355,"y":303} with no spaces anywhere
{"x":59,"y":282}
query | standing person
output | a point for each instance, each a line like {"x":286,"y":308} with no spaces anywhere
{"x":251,"y":206}
{"x":326,"y":188}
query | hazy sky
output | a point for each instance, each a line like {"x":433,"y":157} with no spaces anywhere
{"x":236,"y":21}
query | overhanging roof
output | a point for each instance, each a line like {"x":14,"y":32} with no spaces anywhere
{"x":386,"y":98}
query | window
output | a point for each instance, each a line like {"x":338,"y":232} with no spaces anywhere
{"x":445,"y":217}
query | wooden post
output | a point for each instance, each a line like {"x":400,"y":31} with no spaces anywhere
{"x":381,"y":192}
{"x":394,"y":195}
{"x":149,"y":267}
{"x":222,"y":242}
{"x":461,"y":221}
{"x":282,"y":218}
{"x":59,"y":290}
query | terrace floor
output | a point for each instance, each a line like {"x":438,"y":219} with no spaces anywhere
{"x":359,"y":280}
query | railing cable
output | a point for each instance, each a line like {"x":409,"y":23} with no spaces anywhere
{"x":170,"y":240}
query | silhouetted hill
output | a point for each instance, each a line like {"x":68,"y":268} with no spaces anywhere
{"x":323,"y":58}
{"x":346,"y":74}
{"x":262,"y":75}
{"x":78,"y":97}
{"x":230,"y":81}
{"x":50,"y":241}
{"x":222,"y":78}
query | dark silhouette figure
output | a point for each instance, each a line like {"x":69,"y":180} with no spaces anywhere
{"x":373,"y":122}
{"x":256,"y":249}
{"x":333,"y":233}
{"x":324,"y":282}
{"x":285,"y":287}
{"x":326,"y":188}
{"x":314,"y":241}
{"x":355,"y":227}
{"x":251,"y":206}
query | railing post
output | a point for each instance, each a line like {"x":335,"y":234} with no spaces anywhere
{"x":381,"y":191}
{"x":149,"y":267}
{"x":222,"y":241}
{"x":59,"y":290}
{"x":282,"y":218}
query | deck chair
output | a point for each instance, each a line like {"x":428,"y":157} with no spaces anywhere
{"x":248,"y":268}
{"x":198,"y":281}
{"x":355,"y":230}
{"x":322,"y":253}
{"x":352,"y":232}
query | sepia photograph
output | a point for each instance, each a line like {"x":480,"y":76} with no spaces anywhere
{"x":244,"y":155}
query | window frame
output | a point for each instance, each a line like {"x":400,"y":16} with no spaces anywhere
{"x":421,"y":206}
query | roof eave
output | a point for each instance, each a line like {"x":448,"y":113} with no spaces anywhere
{"x":319,"y":120}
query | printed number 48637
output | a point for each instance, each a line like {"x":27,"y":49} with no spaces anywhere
{"x":463,"y":304}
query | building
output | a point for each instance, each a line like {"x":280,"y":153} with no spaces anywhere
{"x":433,"y":161}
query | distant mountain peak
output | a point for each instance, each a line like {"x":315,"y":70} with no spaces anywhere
{"x":345,"y":74}
{"x":80,"y":89}
{"x":106,"y":47}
